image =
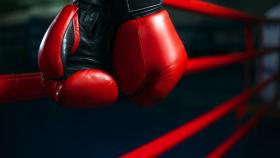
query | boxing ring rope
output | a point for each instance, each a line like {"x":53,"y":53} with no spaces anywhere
{"x":20,"y":87}
{"x":224,"y":147}
{"x":28,"y":86}
{"x":209,"y":9}
{"x":200,"y":64}
{"x":164,"y":143}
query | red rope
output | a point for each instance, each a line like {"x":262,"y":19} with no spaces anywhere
{"x":210,"y":9}
{"x":200,"y":64}
{"x":222,"y":149}
{"x":20,"y":87}
{"x":164,"y":143}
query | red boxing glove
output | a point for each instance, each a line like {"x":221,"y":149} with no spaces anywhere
{"x":149,"y":58}
{"x":75,"y":56}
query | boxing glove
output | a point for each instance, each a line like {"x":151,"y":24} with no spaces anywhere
{"x":148,"y":57}
{"x":75,"y":56}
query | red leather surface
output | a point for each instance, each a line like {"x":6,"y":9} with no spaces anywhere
{"x":84,"y":89}
{"x":50,"y":59}
{"x":20,"y":87}
{"x":76,"y":34}
{"x":149,"y":58}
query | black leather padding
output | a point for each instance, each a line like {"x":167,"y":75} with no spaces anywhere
{"x":95,"y":45}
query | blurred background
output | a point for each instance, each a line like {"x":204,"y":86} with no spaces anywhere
{"x":43,"y":129}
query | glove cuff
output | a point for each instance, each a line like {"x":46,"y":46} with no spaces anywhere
{"x":129,"y":9}
{"x":95,"y":2}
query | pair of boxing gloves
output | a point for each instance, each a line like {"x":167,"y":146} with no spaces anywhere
{"x":94,"y":48}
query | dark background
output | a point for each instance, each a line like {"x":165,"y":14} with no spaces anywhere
{"x":43,"y":129}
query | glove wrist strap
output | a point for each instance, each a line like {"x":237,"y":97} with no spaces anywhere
{"x":129,"y":9}
{"x":95,"y":2}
